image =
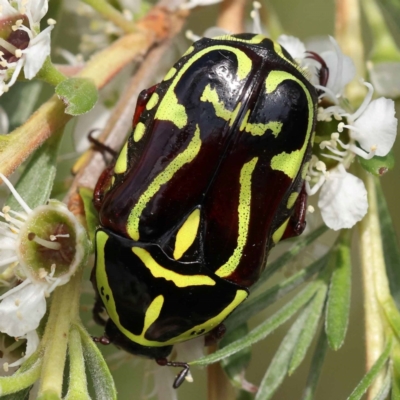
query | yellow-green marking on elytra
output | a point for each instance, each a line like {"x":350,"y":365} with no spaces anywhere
{"x":292,"y":199}
{"x":170,"y":74}
{"x":290,"y":163}
{"x":243,"y":218}
{"x":277,"y":235}
{"x":254,"y":40}
{"x":187,"y":234}
{"x":170,"y":109}
{"x":122,"y":162}
{"x":159,"y":271}
{"x":139,"y":131}
{"x":258,"y":129}
{"x":212,"y":322}
{"x":163,"y":177}
{"x":152,"y":101}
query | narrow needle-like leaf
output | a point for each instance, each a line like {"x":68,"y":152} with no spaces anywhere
{"x":338,"y":307}
{"x":103,"y":382}
{"x":316,"y":366}
{"x":280,"y":363}
{"x":258,"y":303}
{"x":307,"y":334}
{"x":370,"y":376}
{"x":264,"y":329}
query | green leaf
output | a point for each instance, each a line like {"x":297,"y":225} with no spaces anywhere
{"x":264,"y":329}
{"x":103,"y":382}
{"x":338,"y":307}
{"x":36,"y":182}
{"x":78,"y":94}
{"x":370,"y":376}
{"x":19,"y":381}
{"x":395,"y":369}
{"x":77,"y":388}
{"x":316,"y":366}
{"x":378,"y":166}
{"x":256,"y":304}
{"x":307,"y":334}
{"x":298,"y":246}
{"x":390,"y":242}
{"x":22,"y":395}
{"x":235,"y":365}
{"x":20,"y":102}
{"x":279,"y":366}
{"x":92,"y":216}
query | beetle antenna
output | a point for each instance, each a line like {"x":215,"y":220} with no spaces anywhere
{"x":181,"y":375}
{"x":324,"y":70}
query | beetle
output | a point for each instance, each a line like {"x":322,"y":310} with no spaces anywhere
{"x":211,"y":178}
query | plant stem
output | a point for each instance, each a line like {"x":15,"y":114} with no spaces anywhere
{"x":348,"y":35}
{"x":50,"y":74}
{"x":110,"y":13}
{"x":374,"y":281}
{"x":64,"y":309}
{"x":231,"y":15}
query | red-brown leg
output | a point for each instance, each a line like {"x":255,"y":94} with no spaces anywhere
{"x":297,"y":222}
{"x":142,"y":100}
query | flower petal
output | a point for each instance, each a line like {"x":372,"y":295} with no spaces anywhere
{"x":377,"y":126}
{"x":342,"y":200}
{"x":294,"y":46}
{"x":37,"y":51}
{"x":21,"y":311}
{"x":7,"y":9}
{"x":32,"y":343}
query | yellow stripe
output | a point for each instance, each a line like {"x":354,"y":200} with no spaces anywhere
{"x":277,"y":236}
{"x":170,"y":74}
{"x":122,"y":162}
{"x":292,"y":199}
{"x":187,"y":234}
{"x":139,"y":131}
{"x":258,"y":129}
{"x":163,"y":177}
{"x":244,"y":219}
{"x":290,"y":163}
{"x":254,"y":40}
{"x":152,"y":101}
{"x":159,"y":271}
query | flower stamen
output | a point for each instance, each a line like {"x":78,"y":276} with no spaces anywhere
{"x":43,"y":242}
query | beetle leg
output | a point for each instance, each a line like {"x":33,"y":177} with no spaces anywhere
{"x":215,"y":335}
{"x":181,"y":375}
{"x":101,"y":187}
{"x":297,"y":222}
{"x":142,"y":100}
{"x":98,"y":309}
{"x":104,"y":340}
{"x":101,"y":147}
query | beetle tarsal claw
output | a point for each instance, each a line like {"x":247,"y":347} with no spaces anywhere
{"x":182,"y":375}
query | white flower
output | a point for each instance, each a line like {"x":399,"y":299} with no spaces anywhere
{"x":343,"y":199}
{"x":341,"y":67}
{"x":23,"y":306}
{"x":31,"y":54}
{"x":10,"y":352}
{"x":294,"y":46}
{"x":373,"y":125}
